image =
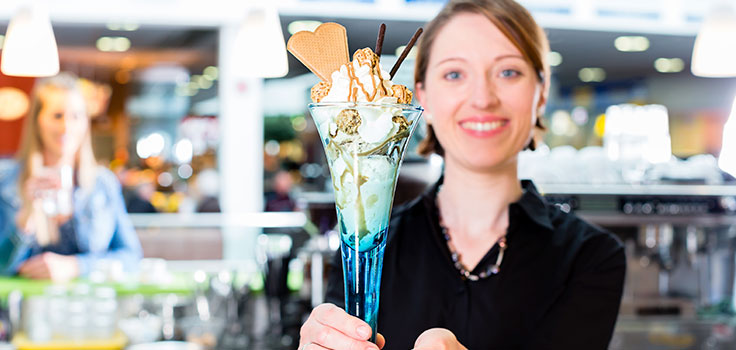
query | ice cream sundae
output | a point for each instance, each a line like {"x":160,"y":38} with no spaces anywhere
{"x":364,"y":121}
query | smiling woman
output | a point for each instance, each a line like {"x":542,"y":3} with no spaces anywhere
{"x":525,"y":40}
{"x":489,"y":92}
{"x":481,"y":260}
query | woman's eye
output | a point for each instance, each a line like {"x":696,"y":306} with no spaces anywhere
{"x":58,"y":115}
{"x":510,"y":73}
{"x":452,"y":75}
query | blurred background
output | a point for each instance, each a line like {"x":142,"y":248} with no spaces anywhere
{"x":202,"y":116}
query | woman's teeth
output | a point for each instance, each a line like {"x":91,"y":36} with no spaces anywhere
{"x":485,"y":126}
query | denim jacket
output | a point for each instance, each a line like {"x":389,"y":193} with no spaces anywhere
{"x":100,"y":222}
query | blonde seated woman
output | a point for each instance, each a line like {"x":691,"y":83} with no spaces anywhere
{"x":35,"y":243}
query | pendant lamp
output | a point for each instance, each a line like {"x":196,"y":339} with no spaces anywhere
{"x":714,"y":52}
{"x":260,"y":50}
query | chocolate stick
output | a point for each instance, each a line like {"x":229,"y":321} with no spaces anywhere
{"x":379,"y":41}
{"x":406,"y":51}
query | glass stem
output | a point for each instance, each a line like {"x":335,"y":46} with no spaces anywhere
{"x":363,"y":282}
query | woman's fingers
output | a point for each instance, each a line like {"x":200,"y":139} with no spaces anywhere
{"x":335,"y":317}
{"x":35,"y":268}
{"x":312,"y":346}
{"x":437,"y":339}
{"x":331,"y":327}
{"x":331,"y":338}
{"x":35,"y":185}
{"x":380,"y":340}
{"x":29,"y":265}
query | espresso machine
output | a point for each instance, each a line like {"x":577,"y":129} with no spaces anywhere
{"x":681,"y":248}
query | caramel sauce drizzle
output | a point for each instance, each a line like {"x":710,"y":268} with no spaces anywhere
{"x":351,"y":95}
{"x":353,"y":91}
{"x":362,"y":87}
{"x":354,"y":79}
{"x":385,"y":91}
{"x":375,"y":88}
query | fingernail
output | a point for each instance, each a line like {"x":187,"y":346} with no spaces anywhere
{"x":364,"y":331}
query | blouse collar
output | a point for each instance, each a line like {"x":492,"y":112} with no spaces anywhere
{"x":531,"y":203}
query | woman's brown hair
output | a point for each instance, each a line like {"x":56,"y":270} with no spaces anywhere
{"x":514,"y":21}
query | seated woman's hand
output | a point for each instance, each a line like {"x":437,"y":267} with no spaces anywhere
{"x":438,"y":339}
{"x":330,"y":327}
{"x":34,"y":189}
{"x":59,"y":268}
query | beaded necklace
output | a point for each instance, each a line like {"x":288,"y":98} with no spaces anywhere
{"x":489,"y":271}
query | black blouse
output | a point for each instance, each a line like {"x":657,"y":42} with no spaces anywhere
{"x":559,"y":286}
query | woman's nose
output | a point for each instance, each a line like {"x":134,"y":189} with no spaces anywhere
{"x":484,"y":94}
{"x":65,"y":123}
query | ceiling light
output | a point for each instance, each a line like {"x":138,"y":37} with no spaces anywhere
{"x":260,"y":30}
{"x":29,"y":48}
{"x":121,"y":44}
{"x":631,"y":43}
{"x":104,"y":44}
{"x":205,"y":84}
{"x":555,"y":58}
{"x":211,"y":73}
{"x":298,"y":26}
{"x":192,"y":88}
{"x":714,"y":53}
{"x":592,"y":75}
{"x":130,"y":27}
{"x":202,"y":82}
{"x":669,"y":65}
{"x":113,"y":43}
{"x":124,"y":27}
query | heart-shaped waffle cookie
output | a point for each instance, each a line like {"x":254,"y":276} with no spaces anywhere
{"x":322,"y":51}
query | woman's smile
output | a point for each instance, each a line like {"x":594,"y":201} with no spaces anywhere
{"x":483,"y":126}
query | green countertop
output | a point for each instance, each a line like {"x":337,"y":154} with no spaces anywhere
{"x":179,"y":284}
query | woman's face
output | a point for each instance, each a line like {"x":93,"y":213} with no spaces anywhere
{"x":481,"y":93}
{"x":62,"y":122}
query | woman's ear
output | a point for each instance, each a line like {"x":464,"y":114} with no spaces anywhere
{"x":542,"y":103}
{"x":421,"y":97}
{"x":419,"y":92}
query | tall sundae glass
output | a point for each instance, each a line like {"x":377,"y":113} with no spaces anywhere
{"x":364,"y":170}
{"x":365,"y":121}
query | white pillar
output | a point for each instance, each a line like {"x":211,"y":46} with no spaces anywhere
{"x":240,"y":156}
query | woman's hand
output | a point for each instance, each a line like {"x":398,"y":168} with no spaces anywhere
{"x":330,"y":327}
{"x":438,"y":339}
{"x":59,"y":268}
{"x":33,"y":190}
